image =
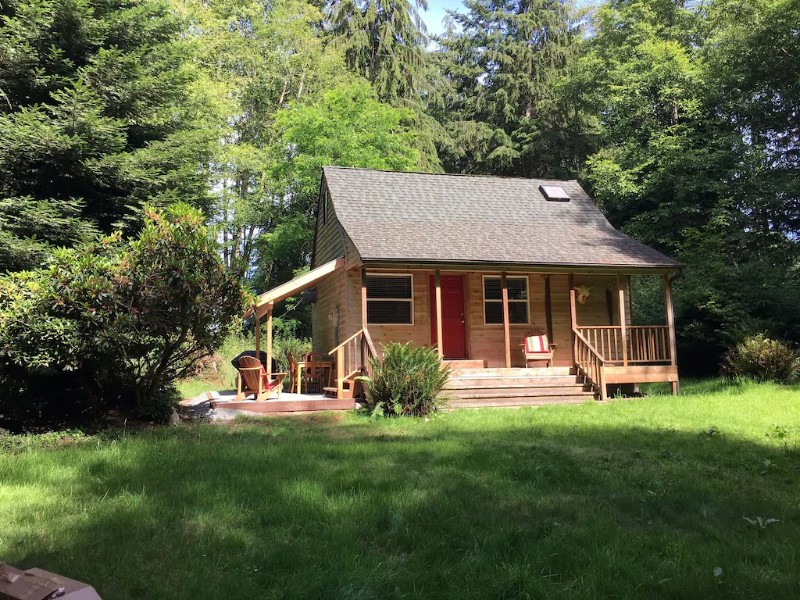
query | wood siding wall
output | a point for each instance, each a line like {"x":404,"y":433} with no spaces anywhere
{"x":330,"y":298}
{"x":328,"y":237}
{"x":333,"y":293}
{"x":485,"y":342}
{"x":329,"y":244}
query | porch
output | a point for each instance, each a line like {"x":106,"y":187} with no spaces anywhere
{"x":481,"y":318}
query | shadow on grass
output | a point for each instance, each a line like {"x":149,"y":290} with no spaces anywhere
{"x":311,"y":508}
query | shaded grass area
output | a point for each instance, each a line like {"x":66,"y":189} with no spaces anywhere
{"x":632,"y":499}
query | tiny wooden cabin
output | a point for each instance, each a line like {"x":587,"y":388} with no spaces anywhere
{"x":471,"y":265}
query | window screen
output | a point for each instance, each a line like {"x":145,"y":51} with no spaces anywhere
{"x":390,"y":299}
{"x":493,"y":299}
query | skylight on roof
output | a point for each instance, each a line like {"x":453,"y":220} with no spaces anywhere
{"x":554,"y":192}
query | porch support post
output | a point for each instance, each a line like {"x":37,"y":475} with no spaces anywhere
{"x":506,"y":319}
{"x":363,"y":297}
{"x":573,"y":310}
{"x":439,"y":328}
{"x":363,"y":345}
{"x":258,"y":336}
{"x":269,"y":342}
{"x":548,"y":308}
{"x":673,"y":354}
{"x":623,"y":320}
{"x":630,"y":298}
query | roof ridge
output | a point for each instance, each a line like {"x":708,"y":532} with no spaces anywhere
{"x":473,"y":175}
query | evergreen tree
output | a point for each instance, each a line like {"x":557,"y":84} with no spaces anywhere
{"x":96,"y":117}
{"x":384,"y":42}
{"x":511,"y":110}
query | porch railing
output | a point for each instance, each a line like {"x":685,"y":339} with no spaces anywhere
{"x":590,"y":363}
{"x":352,"y":358}
{"x":645,"y":344}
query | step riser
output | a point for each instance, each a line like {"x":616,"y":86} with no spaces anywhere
{"x":519,"y":401}
{"x":465,"y":364}
{"x":495,"y":382}
{"x":515,"y":392}
{"x":517,"y":372}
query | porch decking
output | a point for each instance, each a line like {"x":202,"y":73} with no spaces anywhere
{"x":288,"y":402}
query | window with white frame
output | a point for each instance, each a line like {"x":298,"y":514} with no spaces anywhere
{"x":493,"y":299}
{"x":390,"y":299}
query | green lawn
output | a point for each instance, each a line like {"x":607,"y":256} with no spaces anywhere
{"x":632,"y":499}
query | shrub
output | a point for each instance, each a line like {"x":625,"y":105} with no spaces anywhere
{"x":407,"y":381}
{"x":119,"y":321}
{"x":284,"y":347}
{"x":763,"y":359}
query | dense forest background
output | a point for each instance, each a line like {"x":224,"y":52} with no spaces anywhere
{"x":681,"y":117}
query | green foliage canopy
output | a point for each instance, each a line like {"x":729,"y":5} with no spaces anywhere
{"x":681,"y":118}
{"x":96,"y":118}
{"x":347,"y":127}
{"x":510,"y":109}
{"x":119,"y":321}
{"x":699,"y":161}
{"x":383,"y":41}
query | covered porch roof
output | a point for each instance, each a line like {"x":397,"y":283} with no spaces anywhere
{"x":268,"y":299}
{"x":265,"y":302}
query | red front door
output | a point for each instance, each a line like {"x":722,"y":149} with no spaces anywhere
{"x":453,"y":331}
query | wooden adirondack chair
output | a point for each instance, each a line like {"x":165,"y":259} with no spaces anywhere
{"x":537,"y":347}
{"x":253,"y":379}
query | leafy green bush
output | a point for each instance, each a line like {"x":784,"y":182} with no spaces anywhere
{"x":763,"y":359}
{"x":407,"y":381}
{"x":117,"y":321}
{"x":284,"y":347}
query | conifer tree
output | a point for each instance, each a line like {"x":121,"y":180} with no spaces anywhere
{"x":96,"y":117}
{"x":511,"y":110}
{"x":384,"y":42}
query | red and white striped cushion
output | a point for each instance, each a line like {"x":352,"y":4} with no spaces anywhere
{"x":536,"y":344}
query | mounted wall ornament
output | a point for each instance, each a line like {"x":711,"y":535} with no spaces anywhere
{"x":582,"y":293}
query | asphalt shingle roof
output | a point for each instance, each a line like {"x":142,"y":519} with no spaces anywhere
{"x":393,"y":216}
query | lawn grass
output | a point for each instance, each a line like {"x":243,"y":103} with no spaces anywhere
{"x":631,"y":499}
{"x":221,"y":378}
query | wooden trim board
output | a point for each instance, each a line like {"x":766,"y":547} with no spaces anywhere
{"x":643,"y":374}
{"x":279,"y":406}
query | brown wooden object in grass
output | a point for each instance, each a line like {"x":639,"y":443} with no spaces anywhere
{"x":253,"y":379}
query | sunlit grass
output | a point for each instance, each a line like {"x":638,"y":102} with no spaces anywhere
{"x":635,"y":499}
{"x":225,"y":376}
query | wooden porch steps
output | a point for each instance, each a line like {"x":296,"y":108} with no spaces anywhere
{"x":514,"y":372}
{"x":515,"y":392}
{"x":514,"y":402}
{"x":471,"y":388}
{"x":462,"y":363}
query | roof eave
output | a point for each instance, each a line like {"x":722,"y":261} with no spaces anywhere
{"x":520,"y":266}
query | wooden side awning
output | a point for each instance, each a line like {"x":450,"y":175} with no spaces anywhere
{"x":296,"y":285}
